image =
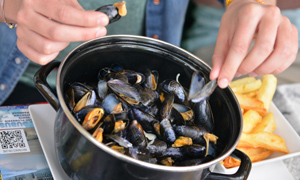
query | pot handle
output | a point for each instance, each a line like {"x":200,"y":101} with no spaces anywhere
{"x":243,"y":171}
{"x":40,"y":81}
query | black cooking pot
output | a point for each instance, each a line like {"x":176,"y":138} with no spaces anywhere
{"x":82,"y":157}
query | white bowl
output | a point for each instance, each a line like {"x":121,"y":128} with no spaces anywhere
{"x":287,"y":132}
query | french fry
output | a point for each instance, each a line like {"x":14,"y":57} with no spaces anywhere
{"x":267,"y":90}
{"x":251,"y":94}
{"x":265,"y":140}
{"x":251,"y":119}
{"x":261,"y":156}
{"x":242,"y":81}
{"x":267,"y":124}
{"x":248,"y":103}
{"x":257,"y":140}
{"x":231,"y":162}
{"x":247,"y":87}
{"x":252,"y":151}
{"x":256,"y":154}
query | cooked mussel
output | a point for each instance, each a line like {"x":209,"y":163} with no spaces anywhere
{"x":167,"y":132}
{"x":203,"y":115}
{"x":183,"y":114}
{"x":115,"y":11}
{"x":136,"y":135}
{"x":89,"y":116}
{"x":157,"y":123}
{"x":144,"y":118}
{"x":112,"y":104}
{"x":175,"y":88}
{"x":151,"y":79}
{"x":198,"y":89}
{"x":193,"y":132}
{"x":125,"y":91}
{"x":157,"y":147}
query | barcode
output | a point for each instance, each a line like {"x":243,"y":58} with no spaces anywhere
{"x":13,"y":141}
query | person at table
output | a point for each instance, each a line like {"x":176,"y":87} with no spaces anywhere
{"x":45,"y":29}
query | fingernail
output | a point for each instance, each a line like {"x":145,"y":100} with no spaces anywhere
{"x":103,"y":20}
{"x":237,"y":74}
{"x":223,"y":83}
{"x":252,"y":74}
{"x":100,"y":33}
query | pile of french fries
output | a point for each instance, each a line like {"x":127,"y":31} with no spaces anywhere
{"x":257,"y":140}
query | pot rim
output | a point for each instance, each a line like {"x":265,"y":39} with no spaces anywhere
{"x":118,"y":155}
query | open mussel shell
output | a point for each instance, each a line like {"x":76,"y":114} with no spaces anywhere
{"x":112,"y":104}
{"x":80,"y":115}
{"x":166,"y":106}
{"x":199,"y":89}
{"x":83,"y":101}
{"x":124,"y":90}
{"x":183,"y":114}
{"x":109,"y":70}
{"x":102,"y":89}
{"x":136,"y":136}
{"x":151,"y":79}
{"x":114,"y":139}
{"x":197,"y":83}
{"x":133,"y":77}
{"x":112,"y":125}
{"x":80,"y":90}
{"x":103,"y":72}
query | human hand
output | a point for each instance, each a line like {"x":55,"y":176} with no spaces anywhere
{"x":45,"y":27}
{"x":275,"y":48}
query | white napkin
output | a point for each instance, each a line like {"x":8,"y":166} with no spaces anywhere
{"x":287,"y":100}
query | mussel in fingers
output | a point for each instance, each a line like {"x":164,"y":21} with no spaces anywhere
{"x":115,"y":11}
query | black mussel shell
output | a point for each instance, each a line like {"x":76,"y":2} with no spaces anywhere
{"x":151,"y":79}
{"x":136,"y":135}
{"x":111,"y":11}
{"x":175,"y":88}
{"x":167,"y":132}
{"x":203,"y":115}
{"x":124,"y":90}
{"x":193,"y":132}
{"x":157,"y":147}
{"x":167,"y":106}
{"x":144,"y":118}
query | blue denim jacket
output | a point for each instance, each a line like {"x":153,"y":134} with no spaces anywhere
{"x":12,"y":62}
{"x":165,"y":23}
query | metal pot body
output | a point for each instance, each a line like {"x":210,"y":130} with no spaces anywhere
{"x":82,"y":157}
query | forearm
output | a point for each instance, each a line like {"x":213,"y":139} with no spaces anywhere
{"x":11,"y":8}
